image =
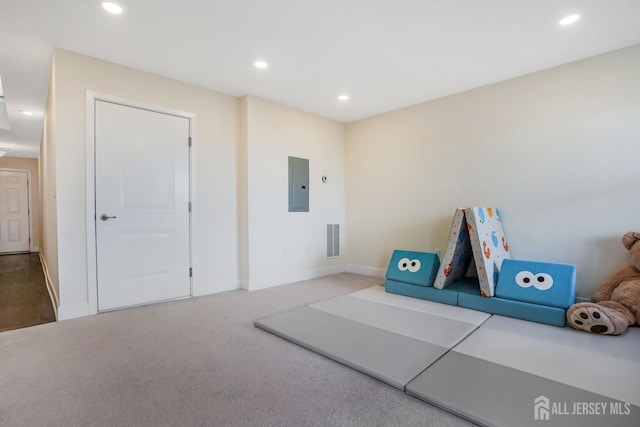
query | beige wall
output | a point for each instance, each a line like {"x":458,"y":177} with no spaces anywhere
{"x":557,"y":151}
{"x":243,"y":194}
{"x":215,"y":145}
{"x":34,"y":185}
{"x":49,"y":220}
{"x":278,"y":246}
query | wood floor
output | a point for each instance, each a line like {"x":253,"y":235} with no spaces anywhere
{"x":24,"y":299}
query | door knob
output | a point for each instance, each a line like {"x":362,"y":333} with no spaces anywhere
{"x":106,"y":217}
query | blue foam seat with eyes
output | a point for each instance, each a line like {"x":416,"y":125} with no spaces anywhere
{"x":537,"y":282}
{"x":417,"y":268}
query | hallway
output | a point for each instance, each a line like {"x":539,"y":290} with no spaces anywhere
{"x":24,"y":299}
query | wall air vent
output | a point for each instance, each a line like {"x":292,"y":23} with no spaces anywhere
{"x":333,"y":240}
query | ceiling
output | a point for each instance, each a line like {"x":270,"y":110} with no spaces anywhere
{"x":386,"y":54}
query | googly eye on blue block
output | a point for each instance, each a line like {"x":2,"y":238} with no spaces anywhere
{"x":537,"y":282}
{"x":417,"y":268}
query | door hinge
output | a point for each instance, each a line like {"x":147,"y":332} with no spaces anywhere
{"x":189,"y":141}
{"x":189,"y":206}
{"x":190,"y":272}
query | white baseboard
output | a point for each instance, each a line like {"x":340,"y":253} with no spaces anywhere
{"x":327,"y":271}
{"x":35,"y":249}
{"x":365,"y":271}
{"x":296,"y":276}
{"x":52,"y":292}
{"x":72,"y":311}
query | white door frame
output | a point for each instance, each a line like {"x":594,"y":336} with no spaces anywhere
{"x":91,"y":98}
{"x":32,"y":248}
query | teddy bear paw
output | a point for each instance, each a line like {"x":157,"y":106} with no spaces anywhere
{"x":591,"y":318}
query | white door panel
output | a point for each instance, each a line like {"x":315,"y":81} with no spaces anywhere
{"x":142,"y":179}
{"x":14,"y":211}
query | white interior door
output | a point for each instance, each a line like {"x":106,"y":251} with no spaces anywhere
{"x":14,"y":211}
{"x":142,"y":206}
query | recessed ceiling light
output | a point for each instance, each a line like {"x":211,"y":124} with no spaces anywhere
{"x":343,"y":97}
{"x":26,"y":113}
{"x":112,"y":7}
{"x":260,"y":64}
{"x":569,"y":19}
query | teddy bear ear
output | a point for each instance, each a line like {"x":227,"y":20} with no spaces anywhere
{"x":630,"y":238}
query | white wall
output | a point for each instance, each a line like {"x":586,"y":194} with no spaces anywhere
{"x":280,"y":246}
{"x":557,"y":151}
{"x":215,"y":205}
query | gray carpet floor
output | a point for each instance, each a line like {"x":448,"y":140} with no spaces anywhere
{"x":196,"y":362}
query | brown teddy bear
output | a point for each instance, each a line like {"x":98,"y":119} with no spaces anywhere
{"x":616,"y":303}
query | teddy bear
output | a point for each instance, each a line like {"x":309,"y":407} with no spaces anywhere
{"x":616,"y":303}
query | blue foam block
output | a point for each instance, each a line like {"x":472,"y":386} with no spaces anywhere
{"x":520,"y":310}
{"x":537,"y":282}
{"x":417,"y":268}
{"x":444,"y":296}
{"x":469,"y":285}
